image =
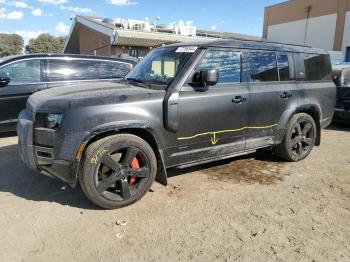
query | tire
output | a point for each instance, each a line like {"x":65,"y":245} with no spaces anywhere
{"x":299,"y":138}
{"x":117,"y":170}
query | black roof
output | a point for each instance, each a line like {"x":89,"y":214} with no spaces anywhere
{"x":7,"y":59}
{"x":251,"y":44}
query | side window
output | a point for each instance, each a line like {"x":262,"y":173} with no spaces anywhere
{"x":317,"y":67}
{"x":263,"y":66}
{"x":110,"y":70}
{"x":299,"y":66}
{"x":22,"y":72}
{"x":66,"y":70}
{"x":228,"y":63}
{"x":285,"y":66}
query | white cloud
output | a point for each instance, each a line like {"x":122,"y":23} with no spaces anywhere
{"x":2,"y":13}
{"x":62,"y":28}
{"x":37,"y":12}
{"x":213,"y":27}
{"x":27,"y":35}
{"x":20,"y":4}
{"x":77,"y":9}
{"x":53,"y":2}
{"x":15,"y":15}
{"x":17,"y":4}
{"x":122,"y":2}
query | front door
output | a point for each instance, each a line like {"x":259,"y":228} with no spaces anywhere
{"x":26,"y":79}
{"x":212,"y":122}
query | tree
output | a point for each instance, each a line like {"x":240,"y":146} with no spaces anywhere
{"x":45,"y":43}
{"x":10,"y":44}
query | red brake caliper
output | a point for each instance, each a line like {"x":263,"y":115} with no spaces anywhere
{"x":134,"y":165}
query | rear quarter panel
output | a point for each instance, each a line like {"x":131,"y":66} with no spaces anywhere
{"x":321,"y":95}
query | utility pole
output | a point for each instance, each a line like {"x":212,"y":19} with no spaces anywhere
{"x":308,"y":10}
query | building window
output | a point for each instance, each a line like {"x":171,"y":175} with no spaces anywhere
{"x":347,"y":59}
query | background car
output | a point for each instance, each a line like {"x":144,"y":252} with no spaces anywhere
{"x":21,"y":76}
{"x":341,"y":77}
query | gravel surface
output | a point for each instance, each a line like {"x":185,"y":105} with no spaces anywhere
{"x":252,"y":208}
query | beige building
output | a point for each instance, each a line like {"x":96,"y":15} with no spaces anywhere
{"x":318,"y":23}
{"x":98,"y":36}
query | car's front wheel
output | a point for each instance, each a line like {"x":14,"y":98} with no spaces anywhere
{"x":117,"y":170}
{"x":299,"y":139}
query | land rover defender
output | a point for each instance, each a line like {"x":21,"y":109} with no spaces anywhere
{"x":182,"y":105}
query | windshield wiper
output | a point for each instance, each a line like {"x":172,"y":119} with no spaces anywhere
{"x":138,"y":81}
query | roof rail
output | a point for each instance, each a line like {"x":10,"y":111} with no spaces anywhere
{"x":272,"y":42}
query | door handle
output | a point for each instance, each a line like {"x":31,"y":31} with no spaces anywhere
{"x":286,"y":95}
{"x":239,"y":99}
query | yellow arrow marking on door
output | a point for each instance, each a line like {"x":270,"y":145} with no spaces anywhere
{"x":214,"y":139}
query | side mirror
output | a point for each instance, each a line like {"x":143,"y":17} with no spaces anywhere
{"x":209,"y":77}
{"x":4,"y":81}
{"x":205,"y":78}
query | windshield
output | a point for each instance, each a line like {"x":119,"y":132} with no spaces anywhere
{"x":160,"y":66}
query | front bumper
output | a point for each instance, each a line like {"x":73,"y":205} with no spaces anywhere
{"x":342,"y":115}
{"x":42,"y":158}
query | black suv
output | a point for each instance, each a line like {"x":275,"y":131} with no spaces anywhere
{"x":182,"y":105}
{"x":21,"y":76}
{"x":341,"y":77}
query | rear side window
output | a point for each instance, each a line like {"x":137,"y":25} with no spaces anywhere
{"x":227,"y":62}
{"x":22,"y":72}
{"x":68,"y":70}
{"x":263,"y":66}
{"x":317,"y":67}
{"x":110,"y":70}
{"x":285,"y":66}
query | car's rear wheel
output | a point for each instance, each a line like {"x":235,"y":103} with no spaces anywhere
{"x":117,"y":170}
{"x":299,"y":139}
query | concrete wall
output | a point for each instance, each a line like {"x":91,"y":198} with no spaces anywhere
{"x":317,"y":32}
{"x":328,"y":28}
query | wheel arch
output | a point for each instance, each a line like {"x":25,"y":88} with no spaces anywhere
{"x":311,"y":109}
{"x":141,"y":130}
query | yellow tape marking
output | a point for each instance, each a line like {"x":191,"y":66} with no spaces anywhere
{"x":214,"y":139}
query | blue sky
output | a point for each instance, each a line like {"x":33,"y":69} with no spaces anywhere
{"x":32,"y":17}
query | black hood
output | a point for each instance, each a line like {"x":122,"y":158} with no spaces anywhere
{"x":103,"y":93}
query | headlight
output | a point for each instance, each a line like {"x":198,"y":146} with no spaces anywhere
{"x":53,"y":120}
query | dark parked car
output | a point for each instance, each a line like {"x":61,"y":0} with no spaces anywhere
{"x":21,"y":76}
{"x":341,"y":77}
{"x":182,"y":105}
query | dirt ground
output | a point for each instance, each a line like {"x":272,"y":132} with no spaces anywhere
{"x":252,"y":208}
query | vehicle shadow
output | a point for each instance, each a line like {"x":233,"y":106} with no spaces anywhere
{"x":262,"y":167}
{"x":8,"y":134}
{"x":337,"y":126}
{"x":17,"y":179}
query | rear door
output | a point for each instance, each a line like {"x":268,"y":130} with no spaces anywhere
{"x":26,"y":78}
{"x":212,"y":122}
{"x":273,"y":92}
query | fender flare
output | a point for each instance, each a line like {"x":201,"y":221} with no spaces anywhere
{"x":287,"y":115}
{"x":119,"y":126}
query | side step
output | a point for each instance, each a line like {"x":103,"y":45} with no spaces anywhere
{"x":205,"y":161}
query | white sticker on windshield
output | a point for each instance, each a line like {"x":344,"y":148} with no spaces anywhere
{"x":186,"y":49}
